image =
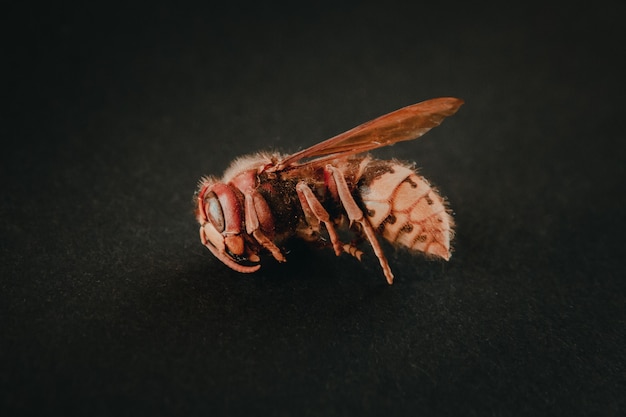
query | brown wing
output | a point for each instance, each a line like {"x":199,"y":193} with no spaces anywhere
{"x":407,"y":123}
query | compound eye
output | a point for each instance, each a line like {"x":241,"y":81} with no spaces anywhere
{"x":213,"y":210}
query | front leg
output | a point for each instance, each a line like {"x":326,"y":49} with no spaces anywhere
{"x":254,"y":202}
{"x":355,"y":214}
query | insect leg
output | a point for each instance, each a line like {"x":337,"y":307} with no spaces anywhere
{"x":355,"y":214}
{"x":314,"y":209}
{"x":353,"y":250}
{"x":253,"y":228}
{"x":269,"y":245}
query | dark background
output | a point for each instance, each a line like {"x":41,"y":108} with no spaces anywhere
{"x":111,"y":306}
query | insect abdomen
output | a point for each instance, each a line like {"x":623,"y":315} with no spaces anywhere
{"x":405,"y":209}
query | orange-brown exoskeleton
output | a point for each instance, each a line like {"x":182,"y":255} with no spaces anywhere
{"x":264,"y":198}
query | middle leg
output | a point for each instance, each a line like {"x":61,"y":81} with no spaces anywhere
{"x":315,"y":213}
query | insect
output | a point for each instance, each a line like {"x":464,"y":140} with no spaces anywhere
{"x":265,"y":198}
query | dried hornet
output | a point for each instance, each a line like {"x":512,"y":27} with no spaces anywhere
{"x":264,"y":198}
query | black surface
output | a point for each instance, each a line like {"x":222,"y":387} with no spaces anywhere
{"x":110,"y":305}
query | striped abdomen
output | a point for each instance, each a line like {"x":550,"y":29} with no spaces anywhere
{"x":404,"y":208}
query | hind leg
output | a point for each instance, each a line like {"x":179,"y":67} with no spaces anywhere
{"x":355,"y":214}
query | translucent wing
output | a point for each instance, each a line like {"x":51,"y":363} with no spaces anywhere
{"x":405,"y":124}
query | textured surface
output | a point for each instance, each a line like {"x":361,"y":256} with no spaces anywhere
{"x":109,"y":304}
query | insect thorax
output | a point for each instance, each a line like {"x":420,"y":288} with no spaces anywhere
{"x":281,"y":196}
